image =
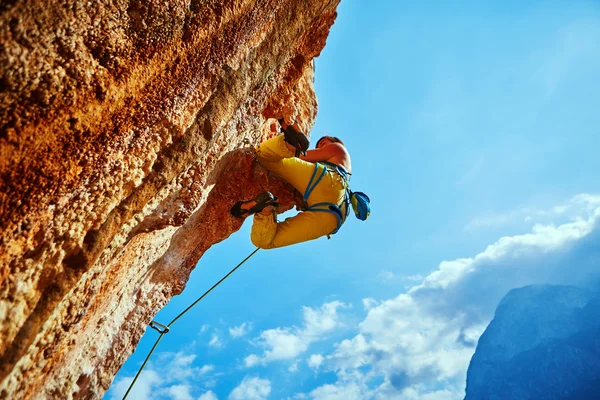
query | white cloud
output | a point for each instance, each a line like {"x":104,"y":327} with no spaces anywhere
{"x":239,"y":331}
{"x":168,"y":375}
{"x":420,"y":393}
{"x":179,"y":364}
{"x":210,"y":395}
{"x":287,"y":343}
{"x":252,"y":360}
{"x":574,"y":207}
{"x":369,"y":303}
{"x":215,"y":341}
{"x":210,"y":383}
{"x":142,"y":389}
{"x":422,"y":340}
{"x":323,"y":320}
{"x":251,"y":389}
{"x":206,"y":369}
{"x":281,"y":344}
{"x":299,"y":396}
{"x":179,"y":392}
{"x":341,"y":391}
{"x":315,"y":361}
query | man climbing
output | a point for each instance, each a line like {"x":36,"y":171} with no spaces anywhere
{"x":321,"y":175}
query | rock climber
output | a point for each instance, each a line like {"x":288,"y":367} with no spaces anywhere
{"x":321,"y":175}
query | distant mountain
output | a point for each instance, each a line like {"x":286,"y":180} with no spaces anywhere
{"x":543,"y":343}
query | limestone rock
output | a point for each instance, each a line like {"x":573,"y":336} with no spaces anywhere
{"x":124,"y":136}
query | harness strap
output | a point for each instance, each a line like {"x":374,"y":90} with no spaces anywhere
{"x":330,"y":208}
{"x":340,"y":170}
{"x":312,"y":183}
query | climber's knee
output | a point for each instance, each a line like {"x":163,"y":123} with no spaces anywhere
{"x":264,"y":229}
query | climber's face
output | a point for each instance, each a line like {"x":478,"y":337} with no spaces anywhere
{"x":325,"y":140}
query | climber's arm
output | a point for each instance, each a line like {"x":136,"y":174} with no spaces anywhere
{"x":325,"y":153}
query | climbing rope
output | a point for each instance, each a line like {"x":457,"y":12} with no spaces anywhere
{"x":163,"y":329}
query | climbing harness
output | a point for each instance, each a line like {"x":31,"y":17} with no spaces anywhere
{"x":334,"y":209}
{"x":360,"y":202}
{"x":163,"y":329}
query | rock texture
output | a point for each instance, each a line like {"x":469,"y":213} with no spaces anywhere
{"x":543,"y":343}
{"x":124,"y":136}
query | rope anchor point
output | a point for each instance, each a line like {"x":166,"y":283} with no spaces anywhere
{"x":160,"y":328}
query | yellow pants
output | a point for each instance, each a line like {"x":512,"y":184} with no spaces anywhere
{"x":266,"y":233}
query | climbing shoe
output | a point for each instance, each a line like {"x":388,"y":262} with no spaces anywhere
{"x":297,"y":139}
{"x":262,"y":200}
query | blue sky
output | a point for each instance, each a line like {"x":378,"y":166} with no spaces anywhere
{"x":473,"y":127}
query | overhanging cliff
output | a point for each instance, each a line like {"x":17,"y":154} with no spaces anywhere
{"x":124,"y":130}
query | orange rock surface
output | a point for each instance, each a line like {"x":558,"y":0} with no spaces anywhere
{"x":125,"y":130}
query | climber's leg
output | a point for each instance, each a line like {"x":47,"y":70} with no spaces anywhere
{"x":307,"y":225}
{"x":274,"y":155}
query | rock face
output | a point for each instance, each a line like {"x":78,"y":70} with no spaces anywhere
{"x":124,"y":136}
{"x":543,"y":343}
